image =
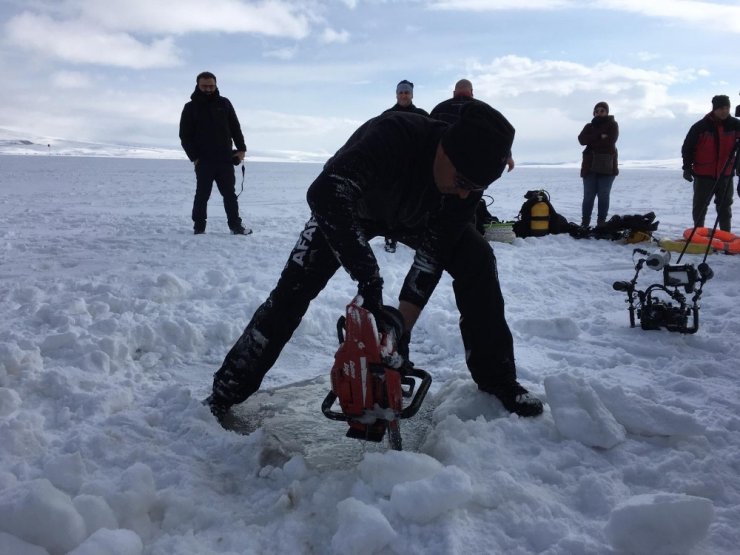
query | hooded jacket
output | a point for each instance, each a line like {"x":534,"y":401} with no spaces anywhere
{"x":208,"y":125}
{"x":591,"y":138}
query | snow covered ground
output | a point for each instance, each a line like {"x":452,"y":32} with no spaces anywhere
{"x":115,"y":317}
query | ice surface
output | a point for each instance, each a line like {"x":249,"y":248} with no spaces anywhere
{"x":116,"y":317}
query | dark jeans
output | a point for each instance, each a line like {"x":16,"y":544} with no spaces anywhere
{"x":596,"y":185}
{"x":489,"y":346}
{"x":206,"y":172}
{"x":703,"y":193}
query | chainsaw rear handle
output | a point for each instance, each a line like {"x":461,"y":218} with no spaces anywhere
{"x":426,"y":381}
{"x":331,"y":397}
{"x":408,"y":412}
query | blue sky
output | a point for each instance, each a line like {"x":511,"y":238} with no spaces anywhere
{"x":303,"y":75}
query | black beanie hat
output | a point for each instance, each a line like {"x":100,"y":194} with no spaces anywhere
{"x":602,"y":104}
{"x":479,"y":143}
{"x":720,"y":101}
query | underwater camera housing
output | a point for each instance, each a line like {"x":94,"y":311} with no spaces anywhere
{"x":663,"y":305}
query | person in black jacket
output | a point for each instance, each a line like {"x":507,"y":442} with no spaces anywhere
{"x":706,"y":153}
{"x":420,"y":180}
{"x":600,"y":165}
{"x":449,"y":110}
{"x":208,"y":126}
{"x":404,"y":103}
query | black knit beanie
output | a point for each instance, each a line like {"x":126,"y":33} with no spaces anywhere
{"x":720,"y":101}
{"x":479,"y":143}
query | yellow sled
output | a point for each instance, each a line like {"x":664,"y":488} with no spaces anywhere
{"x":677,"y":245}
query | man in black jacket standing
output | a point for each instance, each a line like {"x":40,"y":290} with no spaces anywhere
{"x":405,"y":100}
{"x":449,"y":110}
{"x":208,"y":125}
{"x":418,"y":179}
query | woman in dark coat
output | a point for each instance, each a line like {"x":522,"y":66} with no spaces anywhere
{"x":599,"y":166}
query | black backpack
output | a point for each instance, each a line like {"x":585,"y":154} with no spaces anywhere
{"x":537,"y":217}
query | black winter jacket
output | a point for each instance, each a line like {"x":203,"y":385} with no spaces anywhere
{"x":208,"y":125}
{"x":449,"y":110}
{"x":591,"y":138}
{"x":381,"y":183}
{"x":411,"y":109}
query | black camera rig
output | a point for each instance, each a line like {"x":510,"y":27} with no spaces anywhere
{"x":655,"y":312}
{"x":663,"y":305}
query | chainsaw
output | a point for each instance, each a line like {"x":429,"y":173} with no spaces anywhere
{"x":372,"y":381}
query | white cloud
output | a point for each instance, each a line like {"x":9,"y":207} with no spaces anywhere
{"x":281,"y":53}
{"x":331,"y":36}
{"x":79,"y":43}
{"x":693,"y":12}
{"x":270,"y":17}
{"x":689,"y":11}
{"x":499,"y":5}
{"x":70,"y":80}
{"x":516,"y":75}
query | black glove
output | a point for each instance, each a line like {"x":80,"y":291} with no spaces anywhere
{"x":687,"y":176}
{"x":372,"y":295}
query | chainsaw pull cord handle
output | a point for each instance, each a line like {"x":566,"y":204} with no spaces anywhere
{"x":340,"y":328}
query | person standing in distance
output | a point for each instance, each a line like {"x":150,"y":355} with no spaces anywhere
{"x":599,"y":166}
{"x":208,"y":126}
{"x":404,"y":100}
{"x":449,"y":110}
{"x":404,"y":103}
{"x":705,"y":151}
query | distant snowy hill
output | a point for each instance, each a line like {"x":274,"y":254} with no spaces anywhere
{"x":19,"y":143}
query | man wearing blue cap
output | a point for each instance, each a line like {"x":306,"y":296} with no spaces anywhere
{"x":404,"y":103}
{"x":404,"y":99}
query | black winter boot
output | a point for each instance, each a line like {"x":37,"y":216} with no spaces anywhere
{"x":240,"y":230}
{"x":515,"y":398}
{"x":219,"y":408}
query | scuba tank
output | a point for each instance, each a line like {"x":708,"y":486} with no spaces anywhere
{"x":539,"y":223}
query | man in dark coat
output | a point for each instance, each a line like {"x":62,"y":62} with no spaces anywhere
{"x":706,"y":152}
{"x":208,"y":126}
{"x":404,"y":100}
{"x":404,"y":103}
{"x":418,"y":179}
{"x":449,"y":110}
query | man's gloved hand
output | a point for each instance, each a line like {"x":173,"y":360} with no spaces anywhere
{"x":372,"y":295}
{"x":687,"y":176}
{"x":403,"y":350}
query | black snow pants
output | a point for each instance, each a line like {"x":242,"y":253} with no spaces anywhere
{"x":206,"y":172}
{"x":488,"y":343}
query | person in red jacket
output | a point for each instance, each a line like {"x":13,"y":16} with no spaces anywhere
{"x":706,"y":153}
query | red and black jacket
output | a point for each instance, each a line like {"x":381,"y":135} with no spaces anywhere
{"x":708,"y":145}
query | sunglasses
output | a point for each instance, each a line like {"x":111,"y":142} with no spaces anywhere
{"x":403,"y":92}
{"x":462,"y":182}
{"x":600,"y":111}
